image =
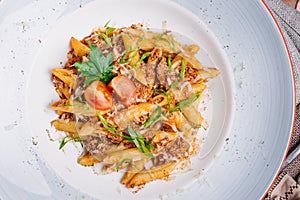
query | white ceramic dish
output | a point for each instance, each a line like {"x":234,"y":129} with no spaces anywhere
{"x":255,"y":89}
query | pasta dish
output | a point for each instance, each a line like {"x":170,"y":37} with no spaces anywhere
{"x":130,"y":97}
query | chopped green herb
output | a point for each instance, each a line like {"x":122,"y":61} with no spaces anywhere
{"x":141,"y":143}
{"x":125,"y":160}
{"x":142,"y":37}
{"x":109,"y":30}
{"x":87,"y":107}
{"x":173,"y":45}
{"x":169,"y":63}
{"x":67,"y":139}
{"x":123,"y":58}
{"x":68,"y":104}
{"x":79,"y":98}
{"x":162,"y":37}
{"x":106,"y":24}
{"x":167,"y":94}
{"x":174,"y":85}
{"x":184,"y":103}
{"x":106,"y":39}
{"x":99,"y":67}
{"x":107,"y":126}
{"x":182,"y":71}
{"x":145,"y":55}
{"x":153,"y":118}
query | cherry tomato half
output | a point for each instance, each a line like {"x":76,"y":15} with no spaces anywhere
{"x":98,"y":96}
{"x":124,"y":88}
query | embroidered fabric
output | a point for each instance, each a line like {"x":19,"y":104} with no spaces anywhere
{"x":285,"y":187}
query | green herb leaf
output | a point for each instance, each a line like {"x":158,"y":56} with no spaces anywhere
{"x":109,"y":30}
{"x":67,"y":139}
{"x":108,"y":127}
{"x":162,"y":37}
{"x":167,"y":94}
{"x":140,"y":142}
{"x":153,"y":118}
{"x":123,"y":58}
{"x":99,"y":67}
{"x":182,"y":71}
{"x":68,"y":104}
{"x":106,"y":39}
{"x":174,"y":85}
{"x":184,"y":103}
{"x":125,"y":160}
{"x":106,"y":24}
{"x":169,"y":63}
{"x":145,"y":55}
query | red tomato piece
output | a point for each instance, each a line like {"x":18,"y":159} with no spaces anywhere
{"x":98,"y":96}
{"x":124,"y":88}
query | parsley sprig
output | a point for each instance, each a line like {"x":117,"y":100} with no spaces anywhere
{"x":99,"y":67}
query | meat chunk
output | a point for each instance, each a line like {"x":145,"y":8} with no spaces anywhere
{"x":143,"y":93}
{"x":164,"y":76}
{"x":98,"y":146}
{"x":145,"y":74}
{"x":119,"y":47}
{"x":176,"y":149}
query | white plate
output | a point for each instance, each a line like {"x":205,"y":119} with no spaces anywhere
{"x":241,"y":39}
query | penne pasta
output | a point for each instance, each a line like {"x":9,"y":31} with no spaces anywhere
{"x":79,"y":48}
{"x":87,"y":160}
{"x":157,"y":172}
{"x":66,"y":125}
{"x":130,"y":96}
{"x":74,"y":107}
{"x":132,"y":153}
{"x":134,"y":168}
{"x":67,"y":76}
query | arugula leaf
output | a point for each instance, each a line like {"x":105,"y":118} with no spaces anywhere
{"x":67,"y":139}
{"x":141,"y":143}
{"x":99,"y":67}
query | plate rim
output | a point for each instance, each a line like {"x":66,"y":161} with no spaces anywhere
{"x":280,"y":32}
